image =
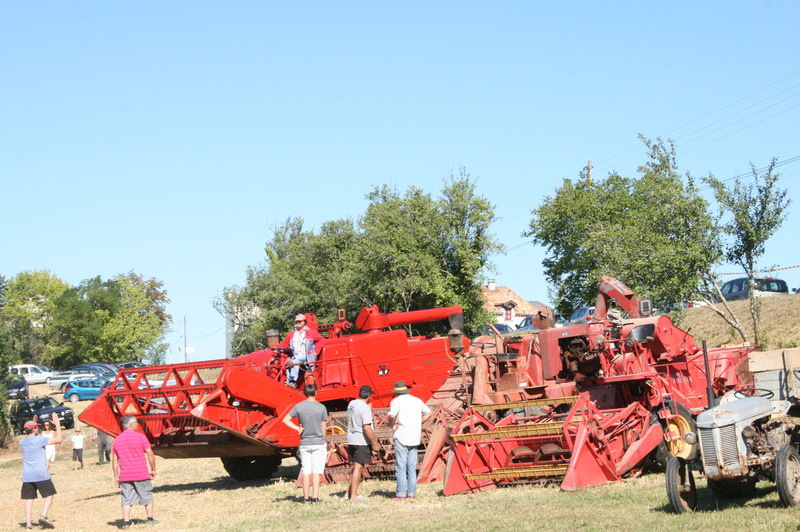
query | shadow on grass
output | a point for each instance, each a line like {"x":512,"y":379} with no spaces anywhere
{"x":707,"y":502}
{"x":283,"y":474}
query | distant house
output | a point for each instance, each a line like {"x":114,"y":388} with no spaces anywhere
{"x":506,"y":305}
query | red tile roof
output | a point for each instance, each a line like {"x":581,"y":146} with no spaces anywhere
{"x":496,"y":300}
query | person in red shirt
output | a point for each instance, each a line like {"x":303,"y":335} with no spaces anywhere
{"x":130,"y":456}
{"x":305,"y":343}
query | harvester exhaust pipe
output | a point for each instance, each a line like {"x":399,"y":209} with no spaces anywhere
{"x":709,"y":387}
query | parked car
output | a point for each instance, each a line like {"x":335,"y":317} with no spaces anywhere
{"x":581,"y":315}
{"x":83,"y":389}
{"x":44,"y":407}
{"x":99,"y":368}
{"x":31,"y":373}
{"x":525,"y":326}
{"x":17,"y":389}
{"x":503,"y":328}
{"x":60,"y":379}
{"x":129,"y":365}
{"x":766,"y":286}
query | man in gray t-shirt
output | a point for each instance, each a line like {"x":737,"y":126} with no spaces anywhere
{"x":313,"y":417}
{"x":361,"y":442}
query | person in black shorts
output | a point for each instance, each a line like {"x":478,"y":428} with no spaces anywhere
{"x":35,"y":476}
{"x":361,"y":442}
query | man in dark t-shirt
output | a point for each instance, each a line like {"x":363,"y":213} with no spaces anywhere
{"x":313,"y":418}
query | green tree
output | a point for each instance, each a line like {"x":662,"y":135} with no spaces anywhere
{"x":112,"y":320}
{"x":406,"y":252}
{"x":749,"y":214}
{"x":6,"y":359}
{"x":654,"y":233}
{"x":31,"y":301}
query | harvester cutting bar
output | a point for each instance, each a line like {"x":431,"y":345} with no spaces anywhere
{"x":511,"y":473}
{"x":552,"y":428}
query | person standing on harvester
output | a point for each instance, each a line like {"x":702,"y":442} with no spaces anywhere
{"x":305,"y":343}
{"x":406,"y":415}
{"x":313,"y":417}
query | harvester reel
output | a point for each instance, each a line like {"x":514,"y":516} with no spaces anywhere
{"x":681,"y":491}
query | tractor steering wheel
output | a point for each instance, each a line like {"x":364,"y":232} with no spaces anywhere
{"x":751,"y":392}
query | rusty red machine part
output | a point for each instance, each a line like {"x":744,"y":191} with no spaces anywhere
{"x":584,"y":404}
{"x":233,"y":409}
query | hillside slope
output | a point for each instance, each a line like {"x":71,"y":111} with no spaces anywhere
{"x":780,"y":323}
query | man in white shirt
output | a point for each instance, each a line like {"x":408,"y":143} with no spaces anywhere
{"x":406,"y":415}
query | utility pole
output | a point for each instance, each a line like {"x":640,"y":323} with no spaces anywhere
{"x":185,"y":340}
{"x":590,"y":170}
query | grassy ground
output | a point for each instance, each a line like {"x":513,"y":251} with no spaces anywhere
{"x":197,"y":494}
{"x":780,"y":323}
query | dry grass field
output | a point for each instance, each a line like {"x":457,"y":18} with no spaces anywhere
{"x":198,"y":494}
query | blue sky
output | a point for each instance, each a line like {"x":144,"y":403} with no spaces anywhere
{"x":170,"y":138}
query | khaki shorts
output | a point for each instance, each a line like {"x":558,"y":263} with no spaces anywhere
{"x":312,"y":459}
{"x":134,"y":491}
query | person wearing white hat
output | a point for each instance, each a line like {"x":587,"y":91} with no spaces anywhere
{"x":406,"y":415}
{"x":305,"y":343}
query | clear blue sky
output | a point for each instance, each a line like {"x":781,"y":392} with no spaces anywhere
{"x":169,"y":138}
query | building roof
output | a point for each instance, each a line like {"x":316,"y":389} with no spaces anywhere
{"x":501,"y":297}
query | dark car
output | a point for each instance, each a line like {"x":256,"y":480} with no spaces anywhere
{"x":82,"y":389}
{"x":526,"y":326}
{"x":502,"y":328}
{"x":737,"y":289}
{"x":129,"y":365}
{"x":44,"y":407}
{"x":17,"y":389}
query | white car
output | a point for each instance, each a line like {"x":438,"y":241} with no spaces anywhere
{"x":31,"y":373}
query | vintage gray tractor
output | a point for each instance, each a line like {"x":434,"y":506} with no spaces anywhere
{"x":745,"y":438}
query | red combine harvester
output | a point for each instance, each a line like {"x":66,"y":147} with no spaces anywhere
{"x":585,"y":404}
{"x":233,"y":409}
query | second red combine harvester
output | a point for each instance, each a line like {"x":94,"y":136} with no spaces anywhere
{"x":233,"y":409}
{"x":584,"y":404}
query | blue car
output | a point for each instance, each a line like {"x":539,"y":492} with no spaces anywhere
{"x":83,"y":389}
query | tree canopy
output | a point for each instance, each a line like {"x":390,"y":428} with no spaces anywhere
{"x":408,"y":251}
{"x":52,"y":323}
{"x":653,"y":232}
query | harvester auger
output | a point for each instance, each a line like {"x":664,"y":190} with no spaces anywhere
{"x":233,"y":409}
{"x":585,"y":404}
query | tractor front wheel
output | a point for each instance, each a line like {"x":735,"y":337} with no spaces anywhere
{"x":787,"y":475}
{"x":678,"y":427}
{"x":251,"y":467}
{"x":681,"y":490}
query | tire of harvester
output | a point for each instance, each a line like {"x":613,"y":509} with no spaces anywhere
{"x":251,"y":467}
{"x":683,"y":424}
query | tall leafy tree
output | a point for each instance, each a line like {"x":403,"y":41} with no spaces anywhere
{"x":31,"y":303}
{"x":749,"y":214}
{"x":654,"y":232}
{"x":6,"y":359}
{"x":406,"y":252}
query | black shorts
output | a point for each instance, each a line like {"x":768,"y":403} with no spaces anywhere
{"x":360,"y":454}
{"x":77,"y":455}
{"x":44,"y":487}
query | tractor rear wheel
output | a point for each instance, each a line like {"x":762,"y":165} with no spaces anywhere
{"x":682,"y":424}
{"x":681,"y":490}
{"x":251,"y":467}
{"x":787,"y":475}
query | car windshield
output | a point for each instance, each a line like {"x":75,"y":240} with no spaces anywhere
{"x":44,"y":402}
{"x":44,"y":368}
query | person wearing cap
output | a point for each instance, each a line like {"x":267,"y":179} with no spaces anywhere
{"x":361,"y":442}
{"x":35,"y":475}
{"x":313,"y":418}
{"x":305,"y":343}
{"x":406,"y":415}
